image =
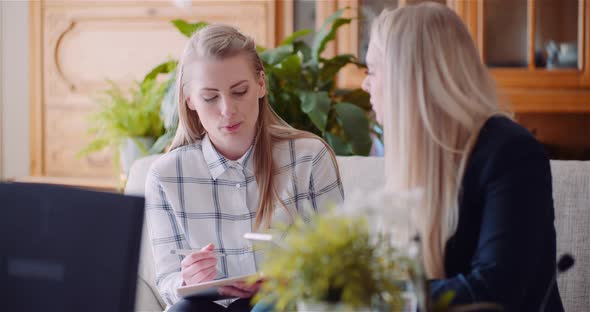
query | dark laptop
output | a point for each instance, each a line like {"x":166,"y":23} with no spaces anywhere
{"x":68,"y":249}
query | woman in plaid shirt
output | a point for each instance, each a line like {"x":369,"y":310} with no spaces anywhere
{"x":234,"y":167}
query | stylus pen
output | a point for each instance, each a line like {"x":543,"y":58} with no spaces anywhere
{"x":263,"y":237}
{"x":186,"y":252}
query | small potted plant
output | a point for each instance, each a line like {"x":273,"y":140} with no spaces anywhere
{"x":127,"y":122}
{"x":332,"y":263}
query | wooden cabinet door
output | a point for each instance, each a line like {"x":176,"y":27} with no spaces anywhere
{"x":78,"y":45}
{"x":528,"y":88}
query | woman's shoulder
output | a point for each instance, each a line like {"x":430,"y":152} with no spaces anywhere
{"x":502,"y":132}
{"x":300,"y":146}
{"x":503,"y":142}
{"x":168,"y":162}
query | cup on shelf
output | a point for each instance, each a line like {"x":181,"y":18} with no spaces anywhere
{"x":561,"y":55}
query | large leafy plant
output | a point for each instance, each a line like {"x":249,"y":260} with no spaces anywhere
{"x":301,"y":89}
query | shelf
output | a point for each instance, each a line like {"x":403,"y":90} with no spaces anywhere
{"x":526,"y":100}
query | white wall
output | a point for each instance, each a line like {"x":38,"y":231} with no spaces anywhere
{"x":14,"y":89}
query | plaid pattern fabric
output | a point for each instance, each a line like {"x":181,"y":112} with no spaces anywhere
{"x":195,"y":196}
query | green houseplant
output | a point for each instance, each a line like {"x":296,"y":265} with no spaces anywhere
{"x":127,"y":121}
{"x":301,"y":88}
{"x":169,"y":111}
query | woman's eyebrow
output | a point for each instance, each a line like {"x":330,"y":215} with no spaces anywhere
{"x":232,"y":86}
{"x":238,"y":83}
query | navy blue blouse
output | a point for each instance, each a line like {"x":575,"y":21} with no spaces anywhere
{"x":504,"y":248}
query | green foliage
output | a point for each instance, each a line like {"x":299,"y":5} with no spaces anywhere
{"x":164,"y":68}
{"x":301,"y":90}
{"x":123,"y":115}
{"x":148,"y":110}
{"x":186,"y":28}
{"x":331,"y":258}
{"x":169,"y":111}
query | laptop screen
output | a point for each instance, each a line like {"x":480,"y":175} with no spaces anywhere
{"x":68,"y":249}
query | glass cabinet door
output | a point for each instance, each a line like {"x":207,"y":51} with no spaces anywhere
{"x":525,"y":43}
{"x":556,"y":34}
{"x":534,"y":34}
{"x":505,"y":33}
{"x":368,"y":10}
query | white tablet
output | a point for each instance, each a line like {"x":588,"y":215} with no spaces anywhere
{"x":210,"y":288}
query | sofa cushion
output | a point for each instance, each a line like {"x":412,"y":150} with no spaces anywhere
{"x":571,"y":193}
{"x":361,"y":174}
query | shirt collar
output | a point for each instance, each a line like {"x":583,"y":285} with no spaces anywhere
{"x":218,"y":164}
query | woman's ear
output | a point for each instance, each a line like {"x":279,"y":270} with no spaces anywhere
{"x":262,"y":85}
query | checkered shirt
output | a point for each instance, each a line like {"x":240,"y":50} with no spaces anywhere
{"x":195,"y":196}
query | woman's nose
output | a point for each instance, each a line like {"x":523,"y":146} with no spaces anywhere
{"x":228,"y":107}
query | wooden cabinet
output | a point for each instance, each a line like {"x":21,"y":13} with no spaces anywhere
{"x":551,"y":100}
{"x":537,"y":86}
{"x":77,"y":45}
{"x":511,"y":37}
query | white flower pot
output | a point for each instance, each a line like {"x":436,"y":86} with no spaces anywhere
{"x":312,"y":306}
{"x":129,"y":151}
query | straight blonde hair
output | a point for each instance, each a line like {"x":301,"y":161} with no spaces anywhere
{"x":221,"y":42}
{"x":441,"y":95}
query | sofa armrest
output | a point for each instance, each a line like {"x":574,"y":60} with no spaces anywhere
{"x":137,"y":175}
{"x":147,"y":296}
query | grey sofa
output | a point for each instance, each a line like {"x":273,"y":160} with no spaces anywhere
{"x":571,"y":193}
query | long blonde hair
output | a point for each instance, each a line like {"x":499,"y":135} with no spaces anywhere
{"x":441,"y":95}
{"x":222,"y":42}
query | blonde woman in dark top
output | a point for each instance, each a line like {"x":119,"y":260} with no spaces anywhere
{"x":486,"y":222}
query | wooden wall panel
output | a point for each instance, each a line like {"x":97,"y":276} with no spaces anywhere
{"x":35,"y":88}
{"x":80,"y":44}
{"x":64,"y":137}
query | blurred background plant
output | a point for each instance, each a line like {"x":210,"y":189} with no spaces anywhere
{"x":301,"y":89}
{"x":142,"y":120}
{"x":127,"y":121}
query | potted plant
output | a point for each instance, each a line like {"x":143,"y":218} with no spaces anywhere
{"x":128,"y":122}
{"x":363,"y":256}
{"x":302,"y":90}
{"x":331,"y":263}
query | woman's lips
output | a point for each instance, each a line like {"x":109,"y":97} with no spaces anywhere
{"x":233,"y":127}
